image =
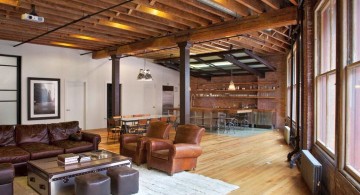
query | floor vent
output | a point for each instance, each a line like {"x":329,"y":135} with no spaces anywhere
{"x":310,"y":171}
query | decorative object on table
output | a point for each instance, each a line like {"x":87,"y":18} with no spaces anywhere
{"x":144,"y":74}
{"x":43,"y":98}
{"x":68,"y":158}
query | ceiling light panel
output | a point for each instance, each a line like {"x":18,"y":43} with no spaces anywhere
{"x":198,"y":65}
{"x":84,"y":37}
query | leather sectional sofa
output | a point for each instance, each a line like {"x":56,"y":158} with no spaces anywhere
{"x":21,"y":143}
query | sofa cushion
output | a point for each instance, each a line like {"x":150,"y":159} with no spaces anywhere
{"x":57,"y":132}
{"x":41,"y":150}
{"x":13,"y":154}
{"x":7,"y":135}
{"x":74,"y":146}
{"x":62,"y":131}
{"x":31,"y":133}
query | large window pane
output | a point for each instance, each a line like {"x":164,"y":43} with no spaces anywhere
{"x":356,"y":31}
{"x":8,"y":114}
{"x":8,"y":77}
{"x":353,"y":122}
{"x":6,"y":60}
{"x":331,"y":97}
{"x":321,"y":109}
{"x":325,"y":41}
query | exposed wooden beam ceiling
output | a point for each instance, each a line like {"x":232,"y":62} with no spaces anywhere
{"x":151,"y":28}
{"x":286,"y":16}
{"x":231,"y":59}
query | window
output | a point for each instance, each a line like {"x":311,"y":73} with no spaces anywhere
{"x":291,"y":104}
{"x":10,"y":89}
{"x":353,"y":97}
{"x":325,"y":64}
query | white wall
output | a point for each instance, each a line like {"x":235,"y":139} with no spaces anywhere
{"x":68,"y":65}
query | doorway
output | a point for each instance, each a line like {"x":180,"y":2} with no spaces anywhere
{"x":109,"y":98}
{"x":167,"y":99}
{"x":75,"y":102}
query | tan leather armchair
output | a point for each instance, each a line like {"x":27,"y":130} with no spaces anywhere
{"x":178,"y":156}
{"x":133,"y":146}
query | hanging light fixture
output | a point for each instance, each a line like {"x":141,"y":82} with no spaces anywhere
{"x":144,"y":74}
{"x":231,"y":85}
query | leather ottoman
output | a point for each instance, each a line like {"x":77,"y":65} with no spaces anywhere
{"x":124,"y":180}
{"x":91,"y":184}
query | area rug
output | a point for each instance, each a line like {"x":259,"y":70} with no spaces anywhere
{"x":156,"y":182}
{"x":240,"y":132}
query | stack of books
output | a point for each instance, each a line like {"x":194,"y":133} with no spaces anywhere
{"x":68,"y":158}
{"x":84,"y":158}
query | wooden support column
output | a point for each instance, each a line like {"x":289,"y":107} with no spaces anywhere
{"x":184,"y":82}
{"x":115,"y":96}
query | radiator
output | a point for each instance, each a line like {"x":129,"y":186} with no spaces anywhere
{"x":310,"y":171}
{"x":287,"y":134}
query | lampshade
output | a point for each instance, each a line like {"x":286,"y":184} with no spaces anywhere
{"x":141,"y":75}
{"x":148,"y":76}
{"x":231,"y":86}
{"x":144,"y":74}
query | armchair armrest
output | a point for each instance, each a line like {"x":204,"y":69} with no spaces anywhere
{"x":91,"y":137}
{"x":185,"y":151}
{"x":129,"y":138}
{"x":158,"y":144}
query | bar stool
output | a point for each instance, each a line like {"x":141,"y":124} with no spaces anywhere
{"x":92,"y":183}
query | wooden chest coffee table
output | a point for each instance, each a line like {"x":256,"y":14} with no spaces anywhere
{"x":48,"y":176}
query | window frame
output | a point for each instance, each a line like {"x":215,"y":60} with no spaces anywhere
{"x":317,"y":66}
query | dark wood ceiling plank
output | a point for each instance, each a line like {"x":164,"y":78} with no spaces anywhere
{"x":255,"y":5}
{"x":230,"y":58}
{"x":207,"y":8}
{"x":294,"y":2}
{"x":192,"y":9}
{"x":286,"y":16}
{"x":276,"y":36}
{"x":275,"y":4}
{"x":234,"y":6}
{"x":176,"y":12}
{"x":266,"y":63}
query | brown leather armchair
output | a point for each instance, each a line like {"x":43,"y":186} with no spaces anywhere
{"x":178,"y":156}
{"x":134,"y":145}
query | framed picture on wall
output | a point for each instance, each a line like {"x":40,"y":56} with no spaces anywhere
{"x":43,"y":98}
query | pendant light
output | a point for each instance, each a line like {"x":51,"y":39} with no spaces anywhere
{"x":144,"y":74}
{"x":231,"y":85}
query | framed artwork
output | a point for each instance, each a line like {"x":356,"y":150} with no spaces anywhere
{"x":43,"y":98}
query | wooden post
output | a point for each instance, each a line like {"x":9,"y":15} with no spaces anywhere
{"x":115,"y":96}
{"x":184,"y":82}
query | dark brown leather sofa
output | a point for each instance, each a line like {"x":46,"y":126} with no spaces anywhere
{"x":21,"y":143}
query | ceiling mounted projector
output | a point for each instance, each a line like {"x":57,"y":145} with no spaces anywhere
{"x":32,"y":16}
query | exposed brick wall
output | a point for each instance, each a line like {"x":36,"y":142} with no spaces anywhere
{"x":278,"y":103}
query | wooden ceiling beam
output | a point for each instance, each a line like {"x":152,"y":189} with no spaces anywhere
{"x":176,"y":12}
{"x":192,"y":9}
{"x":10,"y":2}
{"x":275,"y":4}
{"x":294,"y":2}
{"x":255,"y":5}
{"x":286,"y":16}
{"x":234,"y":6}
{"x":230,"y":58}
{"x":207,"y":8}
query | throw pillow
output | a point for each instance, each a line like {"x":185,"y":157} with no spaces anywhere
{"x":76,"y":136}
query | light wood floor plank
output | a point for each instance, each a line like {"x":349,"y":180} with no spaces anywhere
{"x":257,"y":163}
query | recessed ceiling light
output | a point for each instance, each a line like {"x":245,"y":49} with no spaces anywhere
{"x":116,"y":25}
{"x":63,"y":44}
{"x":84,"y":37}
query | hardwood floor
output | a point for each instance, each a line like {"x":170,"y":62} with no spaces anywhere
{"x":257,"y":164}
